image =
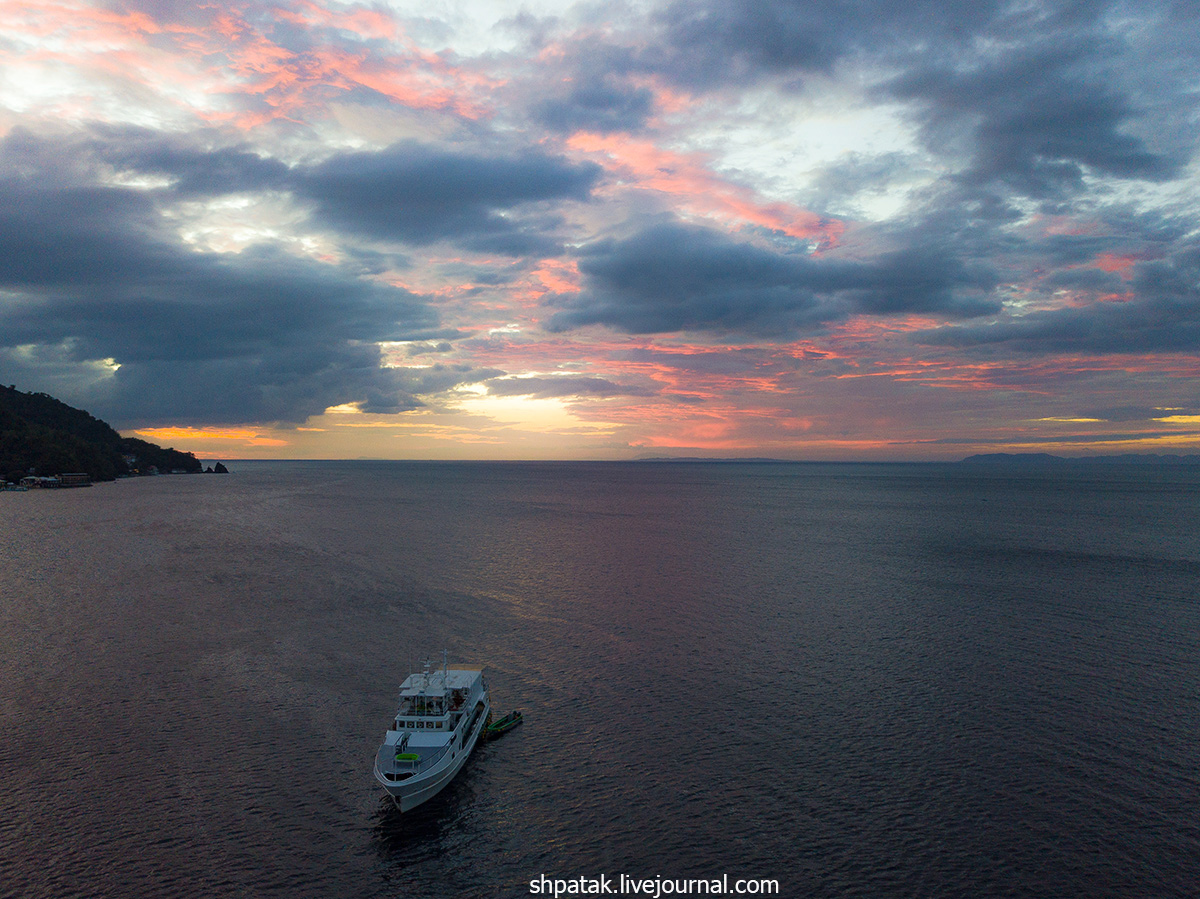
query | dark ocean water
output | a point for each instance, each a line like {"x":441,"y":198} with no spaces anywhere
{"x":867,"y":680}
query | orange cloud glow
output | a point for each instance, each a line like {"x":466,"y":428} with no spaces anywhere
{"x":243,"y":435}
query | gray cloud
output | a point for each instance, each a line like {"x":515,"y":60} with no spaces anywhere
{"x":409,"y":192}
{"x":1136,"y":413}
{"x":673,"y":277}
{"x":1163,"y":316}
{"x":841,"y":182}
{"x":722,"y":41}
{"x":419,"y":194}
{"x":602,"y":104}
{"x":545,"y":388}
{"x":194,"y":168}
{"x":1035,"y":97}
{"x":87,"y":273}
{"x":90,"y":273}
{"x":1050,"y":439}
{"x":1036,"y":119}
{"x":1026,"y":116}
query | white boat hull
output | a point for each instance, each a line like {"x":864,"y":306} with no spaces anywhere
{"x":409,"y":793}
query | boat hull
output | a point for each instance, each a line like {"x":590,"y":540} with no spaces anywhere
{"x":408,"y":794}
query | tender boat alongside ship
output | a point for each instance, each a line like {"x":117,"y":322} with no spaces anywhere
{"x":499,"y":728}
{"x":442,"y":715}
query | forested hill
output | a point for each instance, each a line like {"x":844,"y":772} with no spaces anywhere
{"x":41,"y":433}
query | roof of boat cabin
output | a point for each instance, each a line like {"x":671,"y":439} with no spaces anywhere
{"x":419,"y":739}
{"x":439,"y":682}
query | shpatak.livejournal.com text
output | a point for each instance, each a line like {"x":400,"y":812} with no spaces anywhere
{"x":652,"y":887}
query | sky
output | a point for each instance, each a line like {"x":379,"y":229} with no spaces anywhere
{"x":459,"y":229}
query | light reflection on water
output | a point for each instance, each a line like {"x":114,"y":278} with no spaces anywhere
{"x":860,"y":680}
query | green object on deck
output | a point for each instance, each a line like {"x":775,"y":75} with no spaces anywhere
{"x":407,"y":757}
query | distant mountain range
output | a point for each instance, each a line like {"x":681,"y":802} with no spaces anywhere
{"x":1013,"y":459}
{"x":41,"y":435}
{"x":1035,"y":459}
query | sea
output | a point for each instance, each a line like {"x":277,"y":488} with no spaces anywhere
{"x":803,"y":680}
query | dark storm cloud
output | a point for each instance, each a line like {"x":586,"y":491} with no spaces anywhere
{"x":76,"y":236}
{"x":419,"y":194}
{"x":546,"y":388}
{"x":673,"y":277}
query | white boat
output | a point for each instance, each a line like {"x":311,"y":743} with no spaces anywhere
{"x":440,"y":719}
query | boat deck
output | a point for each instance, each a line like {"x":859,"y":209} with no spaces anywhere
{"x":396,"y":769}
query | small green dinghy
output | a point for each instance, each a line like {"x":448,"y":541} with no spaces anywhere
{"x":505,"y":724}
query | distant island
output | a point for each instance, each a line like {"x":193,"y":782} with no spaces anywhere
{"x":1048,"y":459}
{"x":40,"y":435}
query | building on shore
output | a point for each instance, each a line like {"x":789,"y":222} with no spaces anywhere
{"x":40,"y":482}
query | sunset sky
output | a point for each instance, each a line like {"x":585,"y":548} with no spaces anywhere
{"x":811,"y":230}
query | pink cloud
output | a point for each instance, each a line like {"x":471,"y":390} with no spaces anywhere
{"x":364,"y":22}
{"x":693,"y":186}
{"x":229,"y":70}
